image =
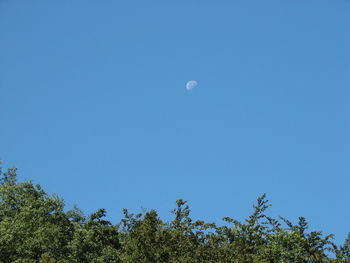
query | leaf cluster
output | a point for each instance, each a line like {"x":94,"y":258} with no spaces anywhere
{"x":35,"y":228}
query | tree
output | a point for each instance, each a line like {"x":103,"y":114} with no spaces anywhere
{"x":34,"y":228}
{"x":32,"y":223}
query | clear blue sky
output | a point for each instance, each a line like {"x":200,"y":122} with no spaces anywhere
{"x":94,"y":106}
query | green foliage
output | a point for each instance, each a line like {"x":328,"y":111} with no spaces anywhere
{"x":34,"y":228}
{"x":31,"y":222}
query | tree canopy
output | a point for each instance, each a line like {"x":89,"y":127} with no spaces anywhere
{"x":35,"y":227}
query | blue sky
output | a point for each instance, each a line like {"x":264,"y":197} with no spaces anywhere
{"x":94,"y":105}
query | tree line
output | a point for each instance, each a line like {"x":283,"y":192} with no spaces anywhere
{"x":35,"y":228}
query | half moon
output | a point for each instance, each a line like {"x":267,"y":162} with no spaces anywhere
{"x":191,"y":84}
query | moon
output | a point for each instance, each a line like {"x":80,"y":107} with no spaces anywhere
{"x":191,"y":84}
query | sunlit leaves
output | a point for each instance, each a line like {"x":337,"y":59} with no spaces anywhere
{"x":35,"y":228}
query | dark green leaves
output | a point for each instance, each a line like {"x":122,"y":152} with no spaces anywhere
{"x":35,"y":228}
